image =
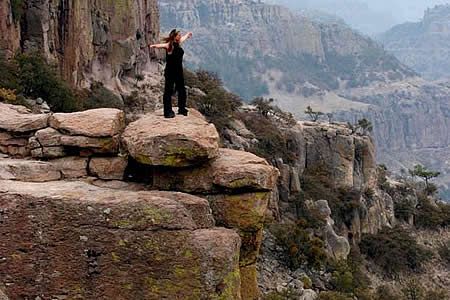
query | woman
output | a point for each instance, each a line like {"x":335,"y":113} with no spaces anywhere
{"x":174,"y":72}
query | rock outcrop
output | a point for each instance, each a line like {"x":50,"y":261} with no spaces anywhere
{"x":183,"y":155}
{"x":88,"y":40}
{"x":69,"y":238}
{"x":83,"y":209}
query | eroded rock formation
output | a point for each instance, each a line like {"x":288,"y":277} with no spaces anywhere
{"x":87,"y":40}
{"x":103,"y":229}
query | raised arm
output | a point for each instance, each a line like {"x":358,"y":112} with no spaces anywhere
{"x":185,"y":37}
{"x":160,"y":46}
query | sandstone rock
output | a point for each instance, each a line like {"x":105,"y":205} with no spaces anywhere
{"x":243,"y":211}
{"x":110,"y":236}
{"x":179,"y":142}
{"x":100,"y":122}
{"x":108,"y":168}
{"x":50,"y":137}
{"x":18,"y":119}
{"x":232,"y":170}
{"x":28,"y":170}
{"x":338,"y":246}
{"x":71,"y":167}
{"x":48,"y":152}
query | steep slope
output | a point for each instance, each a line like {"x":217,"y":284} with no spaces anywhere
{"x":424,"y":46}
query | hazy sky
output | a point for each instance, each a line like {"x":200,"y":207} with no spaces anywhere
{"x":369,"y":16}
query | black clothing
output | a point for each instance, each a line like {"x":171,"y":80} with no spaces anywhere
{"x":173,"y":74}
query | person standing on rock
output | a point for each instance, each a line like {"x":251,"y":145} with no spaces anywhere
{"x":173,"y":72}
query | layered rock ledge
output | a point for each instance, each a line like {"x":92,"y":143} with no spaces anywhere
{"x":70,"y":238}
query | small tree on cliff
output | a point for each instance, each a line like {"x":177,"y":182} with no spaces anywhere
{"x":425,"y":174}
{"x":365,"y":125}
{"x":314,"y":115}
{"x":264,"y":106}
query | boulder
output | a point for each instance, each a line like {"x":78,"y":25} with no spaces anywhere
{"x":85,"y":242}
{"x":232,"y":170}
{"x":100,"y":122}
{"x":108,"y":168}
{"x":178,"y":142}
{"x":71,"y":167}
{"x":19,"y":119}
{"x":338,"y":247}
{"x":28,"y":170}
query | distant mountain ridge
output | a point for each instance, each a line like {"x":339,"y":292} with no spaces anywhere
{"x":260,"y":49}
{"x":425,"y":45}
{"x":255,"y":46}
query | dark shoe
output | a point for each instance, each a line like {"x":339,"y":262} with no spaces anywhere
{"x":183,"y":112}
{"x":169,"y":115}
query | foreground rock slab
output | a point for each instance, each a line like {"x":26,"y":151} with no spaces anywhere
{"x":100,"y":122}
{"x":16,"y":118}
{"x":178,"y":142}
{"x":28,"y":170}
{"x":86,"y":242}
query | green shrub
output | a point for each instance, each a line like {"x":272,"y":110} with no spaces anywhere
{"x":37,"y":79}
{"x":413,"y":290}
{"x":300,"y":244}
{"x":318,"y":184}
{"x":271,"y":141}
{"x":395,"y":251}
{"x":334,"y":296}
{"x":403,"y":209}
{"x":432,"y":216}
{"x":385,"y":292}
{"x":98,"y":96}
{"x":286,"y":294}
{"x":218,"y":105}
{"x":348,"y":276}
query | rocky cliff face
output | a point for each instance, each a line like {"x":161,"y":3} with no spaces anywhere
{"x":425,"y":45}
{"x":86,"y":40}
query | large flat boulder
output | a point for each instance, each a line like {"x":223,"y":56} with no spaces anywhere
{"x":178,"y":142}
{"x":86,"y":242}
{"x":100,"y":122}
{"x":231,"y":171}
{"x":19,"y":119}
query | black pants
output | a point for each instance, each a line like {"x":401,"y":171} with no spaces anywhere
{"x":178,"y":81}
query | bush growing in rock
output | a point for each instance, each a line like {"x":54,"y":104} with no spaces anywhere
{"x":218,"y":105}
{"x":286,"y":294}
{"x":317,"y":184}
{"x":395,"y":251}
{"x":37,"y":79}
{"x":300,"y":244}
{"x":98,"y":96}
{"x":431,"y":215}
{"x":334,"y":296}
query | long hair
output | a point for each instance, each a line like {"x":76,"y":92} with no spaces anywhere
{"x":171,"y":39}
